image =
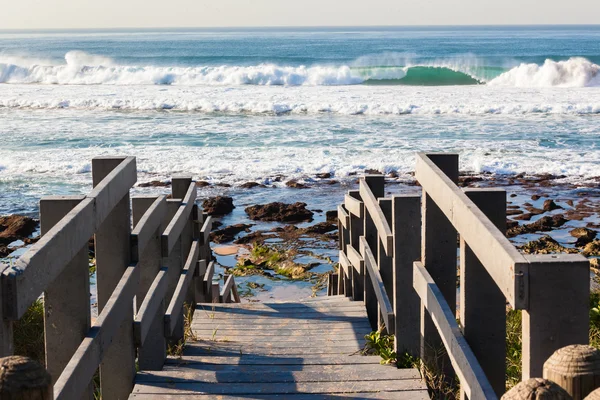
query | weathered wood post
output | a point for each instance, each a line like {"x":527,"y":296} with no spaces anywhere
{"x":537,"y":389}
{"x":558,"y":310}
{"x":438,"y":255}
{"x":22,"y":378}
{"x":152,"y":354}
{"x":376,"y":184}
{"x":113,"y":255}
{"x":575,"y":368}
{"x":357,"y":227}
{"x":67,"y":315}
{"x":215,"y":292}
{"x":406,"y":227}
{"x":482,"y":303}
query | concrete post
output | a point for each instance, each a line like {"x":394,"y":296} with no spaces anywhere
{"x":482,"y":304}
{"x":558,"y":313}
{"x":180,"y":186}
{"x":385,"y":263}
{"x":6,"y":328}
{"x":67,"y":316}
{"x":152,"y":354}
{"x":376,"y":183}
{"x":406,"y":227}
{"x":174,"y":263}
{"x":113,"y":250}
{"x":356,"y":231}
{"x":438,"y":254}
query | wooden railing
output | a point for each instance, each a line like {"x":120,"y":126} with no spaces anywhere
{"x":399,"y":256}
{"x":144,"y":275}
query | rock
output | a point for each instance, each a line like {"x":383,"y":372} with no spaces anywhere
{"x":513,"y":212}
{"x":544,"y":224}
{"x":466,"y":180}
{"x":16,"y":227}
{"x":250,"y":185}
{"x":330,"y":182}
{"x":393,"y":174}
{"x":511,"y":224}
{"x":331,"y":215}
{"x":228,"y":233}
{"x":219,"y":205}
{"x":280,"y":212}
{"x":202,"y":184}
{"x":372,"y":172}
{"x":550,"y":205}
{"x":536,"y":197}
{"x":225,"y":185}
{"x":545,"y":245}
{"x":569,"y":202}
{"x":592,"y":249}
{"x":154,"y":184}
{"x":324,"y":175}
{"x":254,"y":237}
{"x":321,"y":228}
{"x":293,"y":183}
{"x":513,"y":195}
{"x":583,"y":235}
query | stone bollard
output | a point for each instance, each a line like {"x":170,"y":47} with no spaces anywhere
{"x":537,"y":389}
{"x":575,"y":368}
{"x":22,"y":378}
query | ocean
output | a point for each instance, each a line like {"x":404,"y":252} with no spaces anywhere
{"x":235,"y":105}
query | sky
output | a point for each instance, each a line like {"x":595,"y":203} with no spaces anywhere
{"x":87,"y":14}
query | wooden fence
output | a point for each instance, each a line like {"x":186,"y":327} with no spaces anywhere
{"x":399,"y":256}
{"x":144,"y":274}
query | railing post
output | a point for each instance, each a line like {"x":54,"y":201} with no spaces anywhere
{"x":438,"y":255}
{"x":152,"y":354}
{"x":180,"y":186}
{"x":482,"y":303}
{"x":112,"y":242}
{"x":406,"y":227}
{"x":357,"y":226}
{"x":6,"y":328}
{"x":198,"y":284}
{"x":384,"y":262}
{"x":174,"y":263}
{"x":376,"y":184}
{"x":558,"y":312}
{"x":67,"y":315}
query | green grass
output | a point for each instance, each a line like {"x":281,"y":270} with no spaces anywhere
{"x":28,"y":333}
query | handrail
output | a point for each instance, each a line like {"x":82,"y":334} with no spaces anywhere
{"x":383,"y":228}
{"x":473,"y":380}
{"x":205,"y":230}
{"x":146,"y":227}
{"x":387,"y":311}
{"x":179,"y":221}
{"x":150,"y":306}
{"x":343,"y":216}
{"x":501,"y":259}
{"x":354,"y":206}
{"x":225,"y":294}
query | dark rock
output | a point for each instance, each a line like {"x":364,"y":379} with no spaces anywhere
{"x":331,"y":215}
{"x":330,"y":182}
{"x":543,"y":224}
{"x":550,"y":205}
{"x":513,"y":195}
{"x":592,"y":249}
{"x":466,"y":180}
{"x":583,"y":235}
{"x":280,"y":212}
{"x":226,"y":185}
{"x":216,"y":225}
{"x":536,"y":197}
{"x":569,"y":202}
{"x":16,"y":227}
{"x":202,"y":184}
{"x":372,"y":172}
{"x":321,"y":228}
{"x":393,"y":174}
{"x":524,"y":217}
{"x":154,"y":184}
{"x":219,"y":205}
{"x":545,"y":245}
{"x":511,"y":224}
{"x":513,"y":212}
{"x":292,"y":183}
{"x":228,"y":233}
{"x":324,"y":175}
{"x":250,"y":185}
{"x":254,"y":237}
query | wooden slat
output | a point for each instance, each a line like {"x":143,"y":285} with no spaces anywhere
{"x":150,"y":306}
{"x":405,"y":395}
{"x":387,"y":311}
{"x":205,"y":230}
{"x":383,"y":228}
{"x":146,"y":227}
{"x":208,"y":277}
{"x":345,"y":264}
{"x":501,"y":259}
{"x":354,"y":206}
{"x":249,"y":359}
{"x":472,"y":378}
{"x":279,"y":316}
{"x":390,"y":370}
{"x":78,"y":374}
{"x":38,"y":267}
{"x":175,"y":305}
{"x":225,"y":295}
{"x":343,"y":216}
{"x":179,"y":221}
{"x":355,"y":259}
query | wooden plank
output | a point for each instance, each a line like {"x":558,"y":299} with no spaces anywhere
{"x":205,"y":230}
{"x":354,"y":206}
{"x":275,"y":351}
{"x":179,"y":221}
{"x":145,"y":229}
{"x":383,"y":228}
{"x":313,"y":339}
{"x":208,"y":277}
{"x":222,"y":332}
{"x":343,"y":216}
{"x":501,"y":259}
{"x":341,"y":369}
{"x":225,"y":294}
{"x":174,"y":310}
{"x":150,"y":306}
{"x":248,"y":359}
{"x":277,"y":388}
{"x":387,"y":311}
{"x":293,"y":343}
{"x":473,"y":380}
{"x":356,"y":259}
{"x":42,"y":263}
{"x":81,"y":368}
{"x":402,"y":394}
{"x":345,"y":263}
{"x":283,"y":322}
{"x":214,"y":314}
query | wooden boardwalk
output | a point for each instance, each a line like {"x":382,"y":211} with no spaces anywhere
{"x":304,"y":350}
